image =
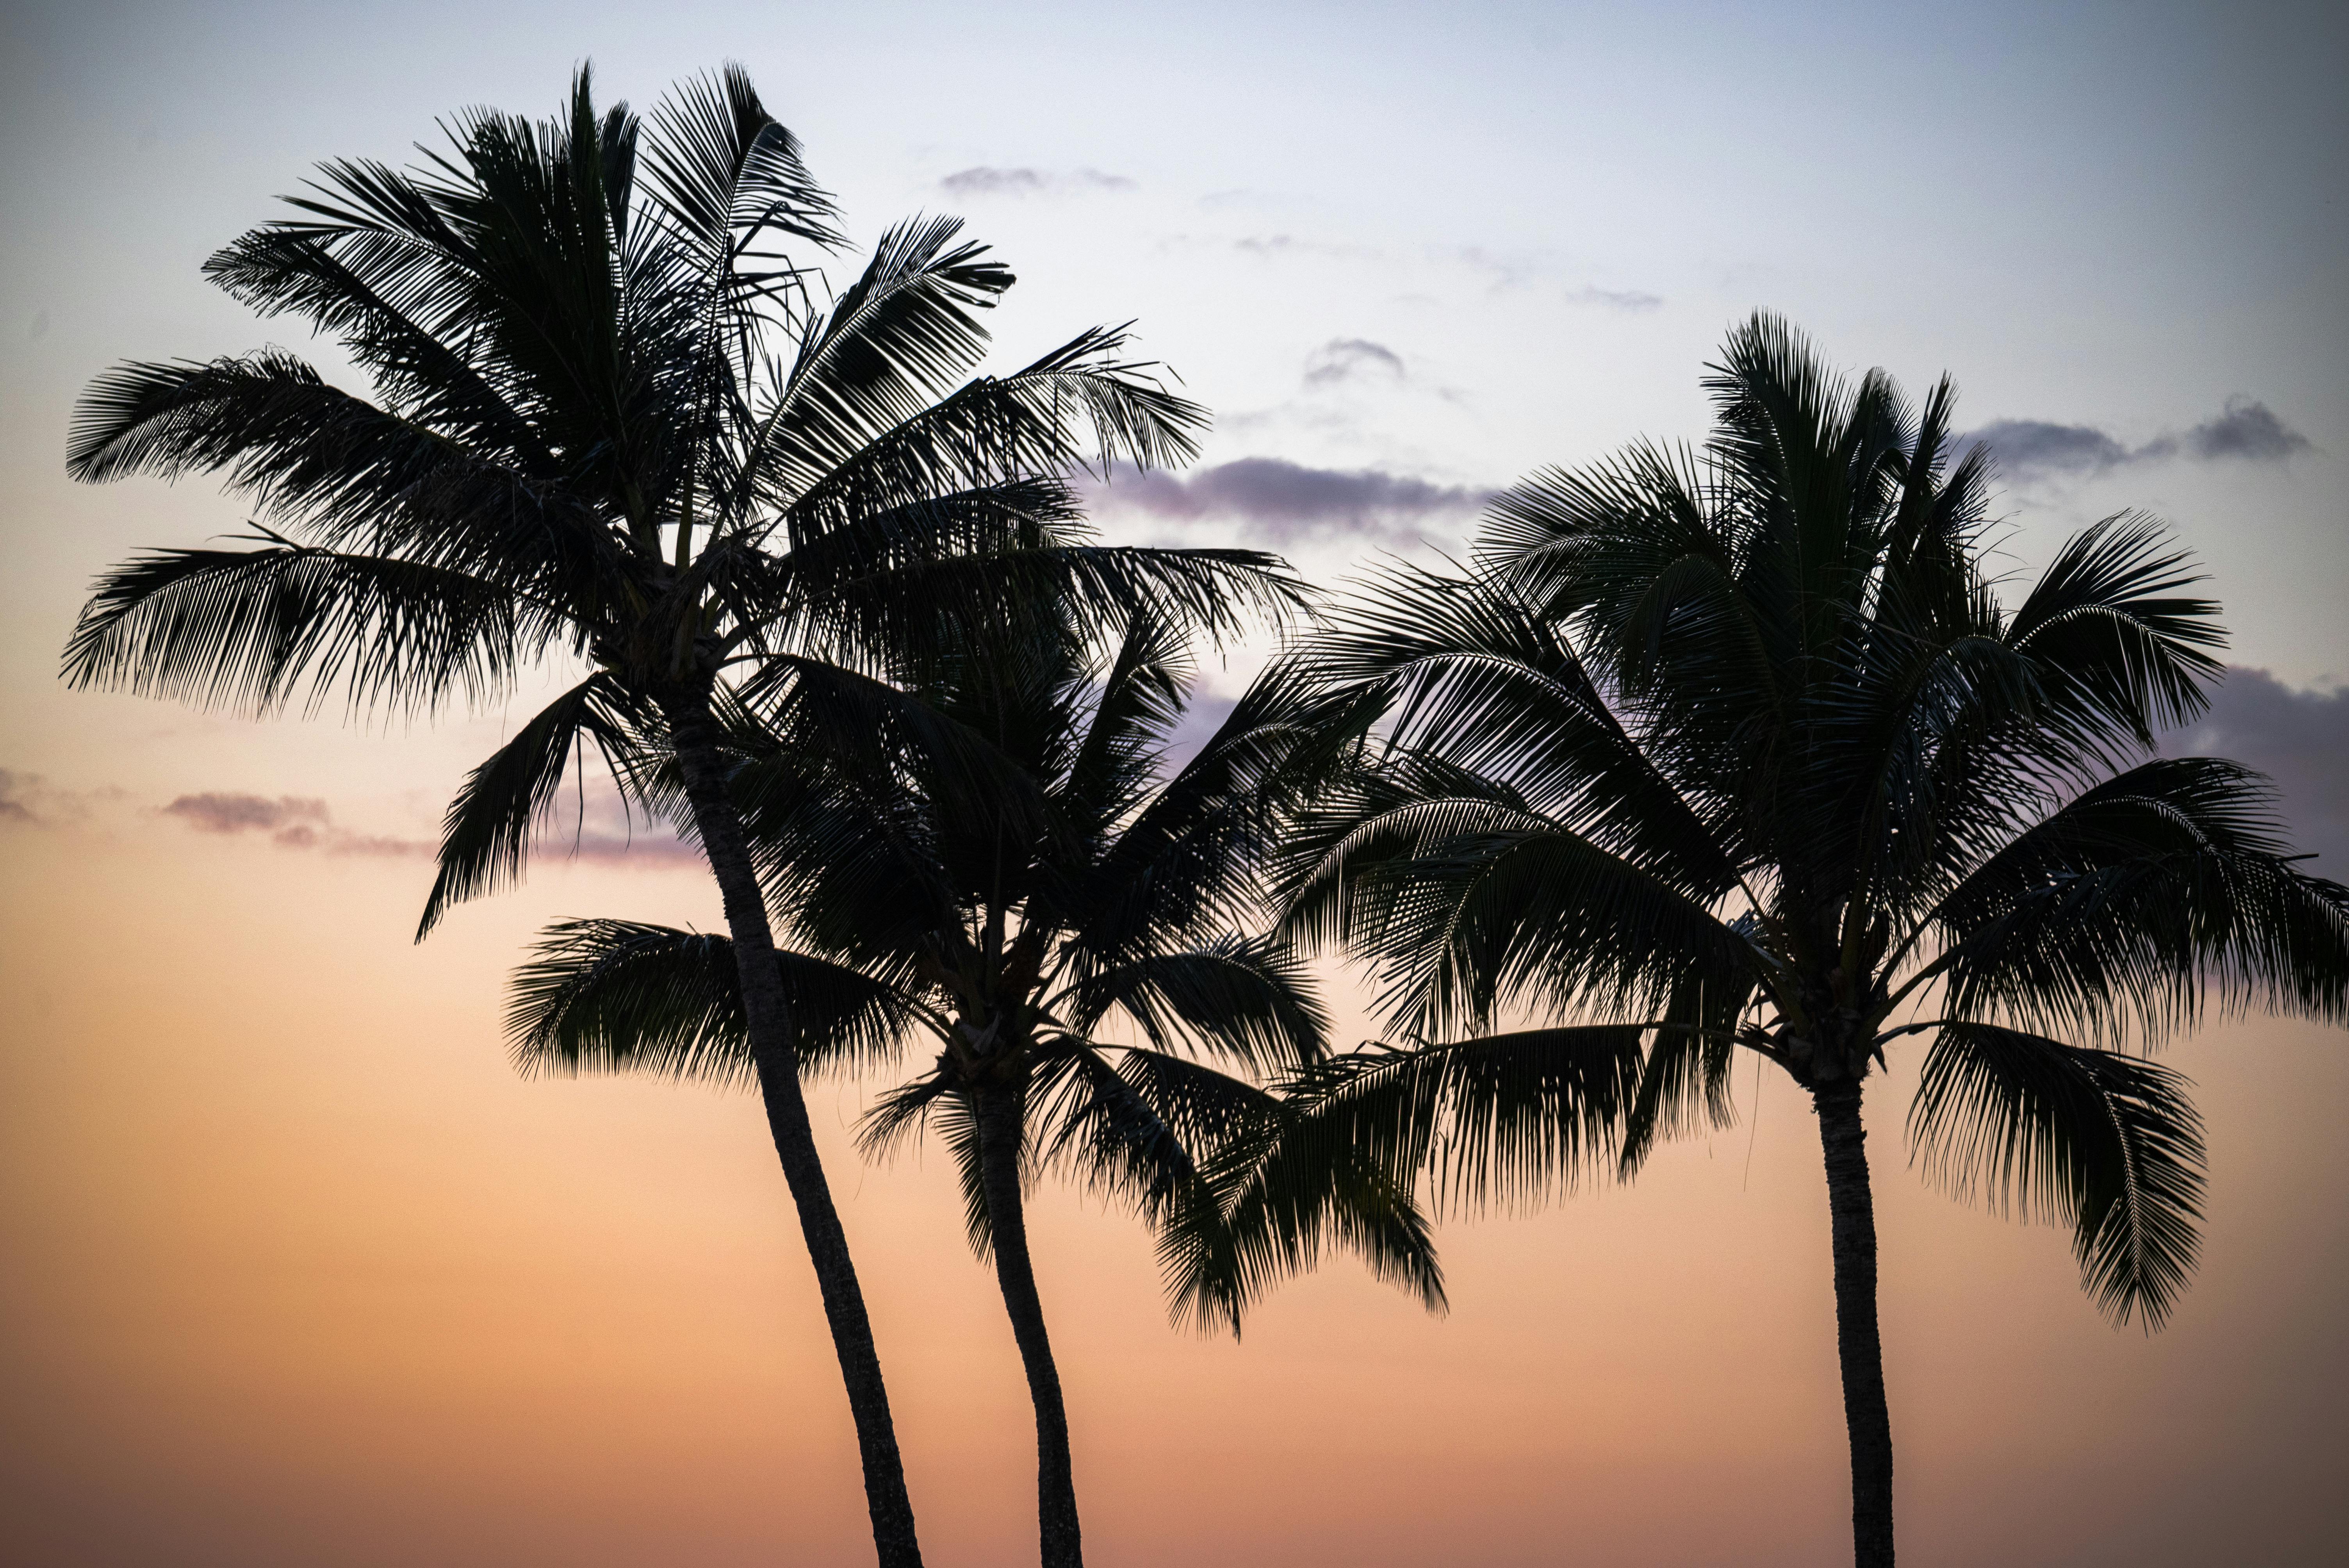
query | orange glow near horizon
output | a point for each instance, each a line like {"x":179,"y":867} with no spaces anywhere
{"x":301,"y":1272}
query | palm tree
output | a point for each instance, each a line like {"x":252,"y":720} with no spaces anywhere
{"x":1740,"y":748}
{"x":1013,"y":928}
{"x":612,"y":420}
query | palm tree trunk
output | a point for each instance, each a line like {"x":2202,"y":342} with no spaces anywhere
{"x":1853,"y":1213}
{"x":767,"y":1016}
{"x":999,"y":1134}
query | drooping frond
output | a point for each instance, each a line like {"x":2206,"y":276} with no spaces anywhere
{"x":485,"y":834}
{"x":1471,"y":902}
{"x":1155,"y":1127}
{"x":935,"y":1102}
{"x":1248,"y":998}
{"x":1684,"y":1080}
{"x":2107,"y":1143}
{"x":613,"y":996}
{"x":2140,"y":898}
{"x":1497,"y":1119}
{"x":248,"y":629}
{"x":1469,"y":675}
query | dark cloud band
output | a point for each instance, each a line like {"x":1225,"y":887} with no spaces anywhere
{"x":1286,"y":503}
{"x":2247,"y":429}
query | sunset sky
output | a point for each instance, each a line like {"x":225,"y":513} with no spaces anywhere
{"x":295,"y":1270}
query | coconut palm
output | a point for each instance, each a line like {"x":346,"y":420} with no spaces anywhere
{"x":612,"y":422}
{"x":1017,"y":938}
{"x":1740,"y":748}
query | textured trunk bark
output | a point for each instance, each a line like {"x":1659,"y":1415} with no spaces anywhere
{"x":1853,"y":1210}
{"x":1001,"y":1115}
{"x":767,"y":1015}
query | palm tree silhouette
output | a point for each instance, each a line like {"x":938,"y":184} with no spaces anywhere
{"x":1013,"y":927}
{"x":1739,"y":747}
{"x":612,"y":420}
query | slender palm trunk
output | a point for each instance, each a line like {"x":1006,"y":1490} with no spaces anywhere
{"x":767,"y":1016}
{"x":1853,"y":1211}
{"x":1000,"y":1121}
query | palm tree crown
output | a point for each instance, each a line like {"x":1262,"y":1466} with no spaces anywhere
{"x":1740,"y":748}
{"x":1019,"y":921}
{"x":612,"y":420}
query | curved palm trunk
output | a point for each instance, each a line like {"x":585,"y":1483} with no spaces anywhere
{"x":1000,"y":1119}
{"x":767,"y":1016}
{"x":1853,"y":1211}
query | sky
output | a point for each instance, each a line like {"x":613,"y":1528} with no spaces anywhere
{"x":294,"y":1268}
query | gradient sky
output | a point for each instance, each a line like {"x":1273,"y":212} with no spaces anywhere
{"x":293,"y":1270}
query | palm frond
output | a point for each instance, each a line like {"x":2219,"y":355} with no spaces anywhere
{"x":345,"y":473}
{"x":2121,"y":650}
{"x":1078,"y":404}
{"x":1250,"y":998}
{"x":248,"y":629}
{"x":2107,"y":1143}
{"x":2141,"y":899}
{"x":486,"y":832}
{"x":935,"y":1102}
{"x":727,"y":173}
{"x":615,"y":995}
{"x":1152,"y":1129}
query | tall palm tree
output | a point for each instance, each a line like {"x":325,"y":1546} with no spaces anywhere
{"x":612,"y":420}
{"x":1013,"y":929}
{"x":1739,"y":747}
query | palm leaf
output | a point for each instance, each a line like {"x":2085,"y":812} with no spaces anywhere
{"x":248,"y":629}
{"x":2107,"y":1143}
{"x":613,"y":996}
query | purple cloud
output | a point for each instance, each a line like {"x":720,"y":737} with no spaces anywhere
{"x":1286,"y":502}
{"x":985,"y":180}
{"x":603,"y":834}
{"x":290,"y":821}
{"x":214,"y":812}
{"x":2247,"y":429}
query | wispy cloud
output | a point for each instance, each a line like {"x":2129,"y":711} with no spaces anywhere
{"x":16,"y":796}
{"x":1345,"y":359}
{"x":2247,"y":430}
{"x":215,"y":813}
{"x":30,"y":801}
{"x":1283,"y":502}
{"x":985,"y":181}
{"x":1632,"y":301}
{"x":289,"y":821}
{"x":1505,"y":272}
{"x":1284,"y":246}
{"x":601,"y":832}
